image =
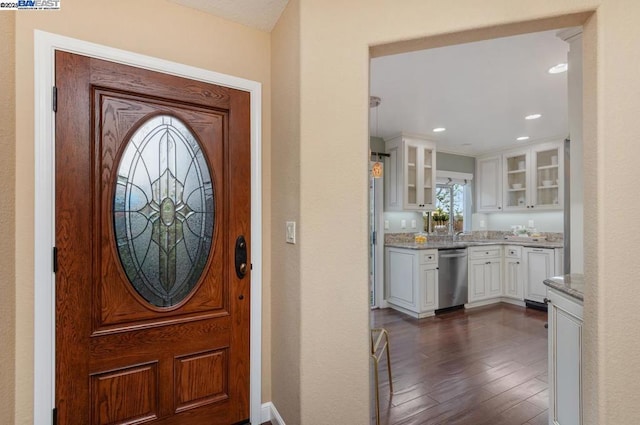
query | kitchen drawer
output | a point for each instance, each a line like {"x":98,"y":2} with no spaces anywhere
{"x":491,"y":251}
{"x":512,"y":251}
{"x":429,"y":257}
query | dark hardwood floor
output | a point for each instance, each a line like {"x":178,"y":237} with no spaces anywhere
{"x":485,"y":366}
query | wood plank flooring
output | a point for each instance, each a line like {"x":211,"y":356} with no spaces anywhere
{"x":484,"y":366}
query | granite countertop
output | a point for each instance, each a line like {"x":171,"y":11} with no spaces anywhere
{"x":465,"y":244}
{"x":570,"y":284}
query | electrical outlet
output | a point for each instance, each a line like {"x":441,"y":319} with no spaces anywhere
{"x":413,"y":224}
{"x":403,"y":224}
{"x":386,"y":225}
{"x":290,"y":235}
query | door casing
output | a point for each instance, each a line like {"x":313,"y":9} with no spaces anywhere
{"x":45,"y":44}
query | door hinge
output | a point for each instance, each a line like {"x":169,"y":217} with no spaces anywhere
{"x":54,"y":416}
{"x":55,"y":259}
{"x":374,"y":238}
{"x":54,"y":96}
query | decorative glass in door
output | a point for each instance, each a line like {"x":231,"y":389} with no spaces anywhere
{"x":412,"y":175}
{"x":427,"y":183}
{"x":163,"y":211}
{"x":516,"y":180}
{"x":547,"y":177}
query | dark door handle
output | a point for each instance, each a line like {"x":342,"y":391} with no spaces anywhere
{"x":241,"y":257}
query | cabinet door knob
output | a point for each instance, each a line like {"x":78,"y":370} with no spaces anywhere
{"x":547,"y":301}
{"x":517,"y":262}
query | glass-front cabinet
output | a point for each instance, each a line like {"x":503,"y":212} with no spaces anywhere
{"x":547,"y":176}
{"x":516,"y":178}
{"x":411,"y":167}
{"x":533,"y":177}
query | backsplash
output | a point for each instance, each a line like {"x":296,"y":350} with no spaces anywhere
{"x":471,"y":236}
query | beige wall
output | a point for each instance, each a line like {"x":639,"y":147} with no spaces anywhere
{"x":321,"y":47}
{"x":151,"y":27}
{"x":335,"y":38}
{"x":286,"y":288}
{"x":7,"y":229}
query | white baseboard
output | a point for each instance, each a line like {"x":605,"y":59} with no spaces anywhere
{"x":495,"y":301}
{"x":270,"y":413}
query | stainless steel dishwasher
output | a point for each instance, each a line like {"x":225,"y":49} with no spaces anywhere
{"x":452,"y":277}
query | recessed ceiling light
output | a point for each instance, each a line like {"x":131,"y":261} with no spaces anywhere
{"x":439,"y":129}
{"x":521,"y":138}
{"x":561,"y":67}
{"x":533,"y":117}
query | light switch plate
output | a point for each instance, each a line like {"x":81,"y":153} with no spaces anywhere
{"x":386,"y":224}
{"x":413,"y":224}
{"x":290,"y":235}
{"x":403,"y":224}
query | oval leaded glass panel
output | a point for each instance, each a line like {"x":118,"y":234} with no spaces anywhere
{"x":163,"y":211}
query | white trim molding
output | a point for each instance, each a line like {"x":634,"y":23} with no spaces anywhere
{"x":270,"y":413}
{"x":45,"y":45}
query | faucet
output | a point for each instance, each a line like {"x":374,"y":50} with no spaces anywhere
{"x":455,"y":236}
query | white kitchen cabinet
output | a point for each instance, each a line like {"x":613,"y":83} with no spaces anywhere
{"x":565,"y":318}
{"x":410,"y":174}
{"x":539,"y":265}
{"x":489,"y":183}
{"x":485,"y":273}
{"x":411,"y":277}
{"x":533,"y":177}
{"x":513,"y":272}
{"x":516,"y":167}
{"x":428,"y":287}
{"x":547,"y":163}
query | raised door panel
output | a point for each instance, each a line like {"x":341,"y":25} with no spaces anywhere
{"x":539,"y":266}
{"x":393,"y":178}
{"x":565,"y":360}
{"x":477,"y":281}
{"x":493,"y":278}
{"x":402,"y":278}
{"x":429,"y":283}
{"x":489,"y":184}
{"x":513,"y":278}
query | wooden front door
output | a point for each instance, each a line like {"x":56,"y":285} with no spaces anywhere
{"x":152,"y":299}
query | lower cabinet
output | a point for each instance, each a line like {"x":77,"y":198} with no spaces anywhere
{"x":565,"y":359}
{"x":539,"y":265}
{"x":513,"y":272}
{"x":428,"y":287}
{"x":485,"y":273}
{"x":412,"y":280}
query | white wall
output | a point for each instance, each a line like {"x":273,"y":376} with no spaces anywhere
{"x":395,"y":222}
{"x":551,"y":221}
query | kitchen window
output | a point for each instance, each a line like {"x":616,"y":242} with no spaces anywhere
{"x":453,"y":203}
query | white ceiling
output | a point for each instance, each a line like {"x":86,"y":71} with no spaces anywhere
{"x":260,"y":14}
{"x":480,"y":92}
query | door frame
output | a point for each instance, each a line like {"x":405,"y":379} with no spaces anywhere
{"x":45,"y":45}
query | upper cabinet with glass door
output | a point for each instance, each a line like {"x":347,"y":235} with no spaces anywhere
{"x":410,"y":174}
{"x":547,"y":177}
{"x":516,"y":178}
{"x":533,"y":177}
